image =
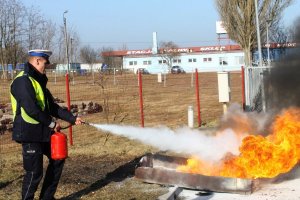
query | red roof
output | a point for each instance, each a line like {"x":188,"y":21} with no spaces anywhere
{"x":215,"y":48}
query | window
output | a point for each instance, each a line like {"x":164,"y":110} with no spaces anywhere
{"x":162,"y":61}
{"x":147,"y":62}
{"x":223,"y":61}
{"x":176,"y":60}
{"x":192,"y":60}
{"x":132,"y":62}
{"x":207,"y":59}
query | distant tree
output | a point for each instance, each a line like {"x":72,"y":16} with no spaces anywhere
{"x":280,"y":35}
{"x":89,"y":56}
{"x":47,"y":34}
{"x":22,"y":29}
{"x":11,"y":16}
{"x":73,"y":42}
{"x":75,"y":50}
{"x":113,"y":62}
{"x":168,"y":51}
{"x":239,"y":20}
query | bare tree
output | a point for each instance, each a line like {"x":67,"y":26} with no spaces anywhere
{"x":168,"y":51}
{"x":11,"y":15}
{"x":280,"y":35}
{"x":74,"y":47}
{"x":24,"y":28}
{"x":34,"y":25}
{"x":111,"y":61}
{"x":89,"y":56}
{"x":239,"y":20}
{"x":47,"y":34}
{"x":59,"y":56}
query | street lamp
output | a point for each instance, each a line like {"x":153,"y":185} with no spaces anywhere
{"x":66,"y":40}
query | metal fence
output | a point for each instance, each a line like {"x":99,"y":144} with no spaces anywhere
{"x":254,"y":88}
{"x":114,"y":98}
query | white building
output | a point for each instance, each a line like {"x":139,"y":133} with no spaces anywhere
{"x":205,"y":62}
{"x":79,"y":66}
{"x":205,"y":59}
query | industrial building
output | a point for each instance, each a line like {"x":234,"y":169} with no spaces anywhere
{"x":204,"y":58}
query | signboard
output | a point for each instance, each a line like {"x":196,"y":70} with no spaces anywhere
{"x":220,"y":28}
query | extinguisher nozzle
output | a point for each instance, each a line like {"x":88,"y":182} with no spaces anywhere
{"x":86,"y":123}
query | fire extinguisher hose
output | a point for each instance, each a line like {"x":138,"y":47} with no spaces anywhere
{"x":62,"y":128}
{"x":86,"y":123}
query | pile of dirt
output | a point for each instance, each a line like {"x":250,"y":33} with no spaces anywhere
{"x":6,"y":118}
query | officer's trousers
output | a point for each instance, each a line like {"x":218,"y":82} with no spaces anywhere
{"x":33,"y":166}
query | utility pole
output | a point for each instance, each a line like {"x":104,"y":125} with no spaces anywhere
{"x":263,"y":98}
{"x":268,"y":43}
{"x":72,"y":62}
{"x":258,"y":35}
{"x":67,"y":76}
{"x":66,"y":41}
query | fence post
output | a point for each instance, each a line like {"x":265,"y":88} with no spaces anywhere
{"x":69,"y":107}
{"x":114,"y":76}
{"x":192,"y":79}
{"x":55,"y":77}
{"x":141,"y":98}
{"x":243,"y":88}
{"x":197,"y":97}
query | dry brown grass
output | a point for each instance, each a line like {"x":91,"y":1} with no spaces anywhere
{"x":94,"y":167}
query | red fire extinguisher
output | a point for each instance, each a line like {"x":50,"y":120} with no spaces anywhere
{"x":59,"y":146}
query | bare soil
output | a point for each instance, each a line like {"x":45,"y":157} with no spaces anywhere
{"x":101,"y":165}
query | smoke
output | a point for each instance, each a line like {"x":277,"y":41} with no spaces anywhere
{"x":182,"y":140}
{"x":246,"y":122}
{"x":283,"y":82}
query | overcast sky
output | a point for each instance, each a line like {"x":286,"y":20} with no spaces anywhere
{"x":114,"y":23}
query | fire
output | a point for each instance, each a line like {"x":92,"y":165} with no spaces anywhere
{"x":259,"y":156}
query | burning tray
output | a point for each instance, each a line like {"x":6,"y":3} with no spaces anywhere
{"x":161,"y":169}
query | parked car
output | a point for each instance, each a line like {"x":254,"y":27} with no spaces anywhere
{"x":177,"y":70}
{"x":142,"y":70}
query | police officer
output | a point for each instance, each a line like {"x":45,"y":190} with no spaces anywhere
{"x":34,"y":108}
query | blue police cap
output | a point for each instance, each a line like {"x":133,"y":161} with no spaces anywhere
{"x":40,"y":53}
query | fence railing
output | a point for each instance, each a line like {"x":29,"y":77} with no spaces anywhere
{"x":254,"y":88}
{"x":114,"y":98}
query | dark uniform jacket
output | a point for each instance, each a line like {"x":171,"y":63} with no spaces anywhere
{"x":25,"y":96}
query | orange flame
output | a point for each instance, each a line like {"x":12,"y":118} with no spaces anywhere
{"x":259,"y":156}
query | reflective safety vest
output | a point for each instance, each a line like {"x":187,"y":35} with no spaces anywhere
{"x":39,"y":94}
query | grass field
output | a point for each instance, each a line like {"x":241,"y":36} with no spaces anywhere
{"x":101,"y":166}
